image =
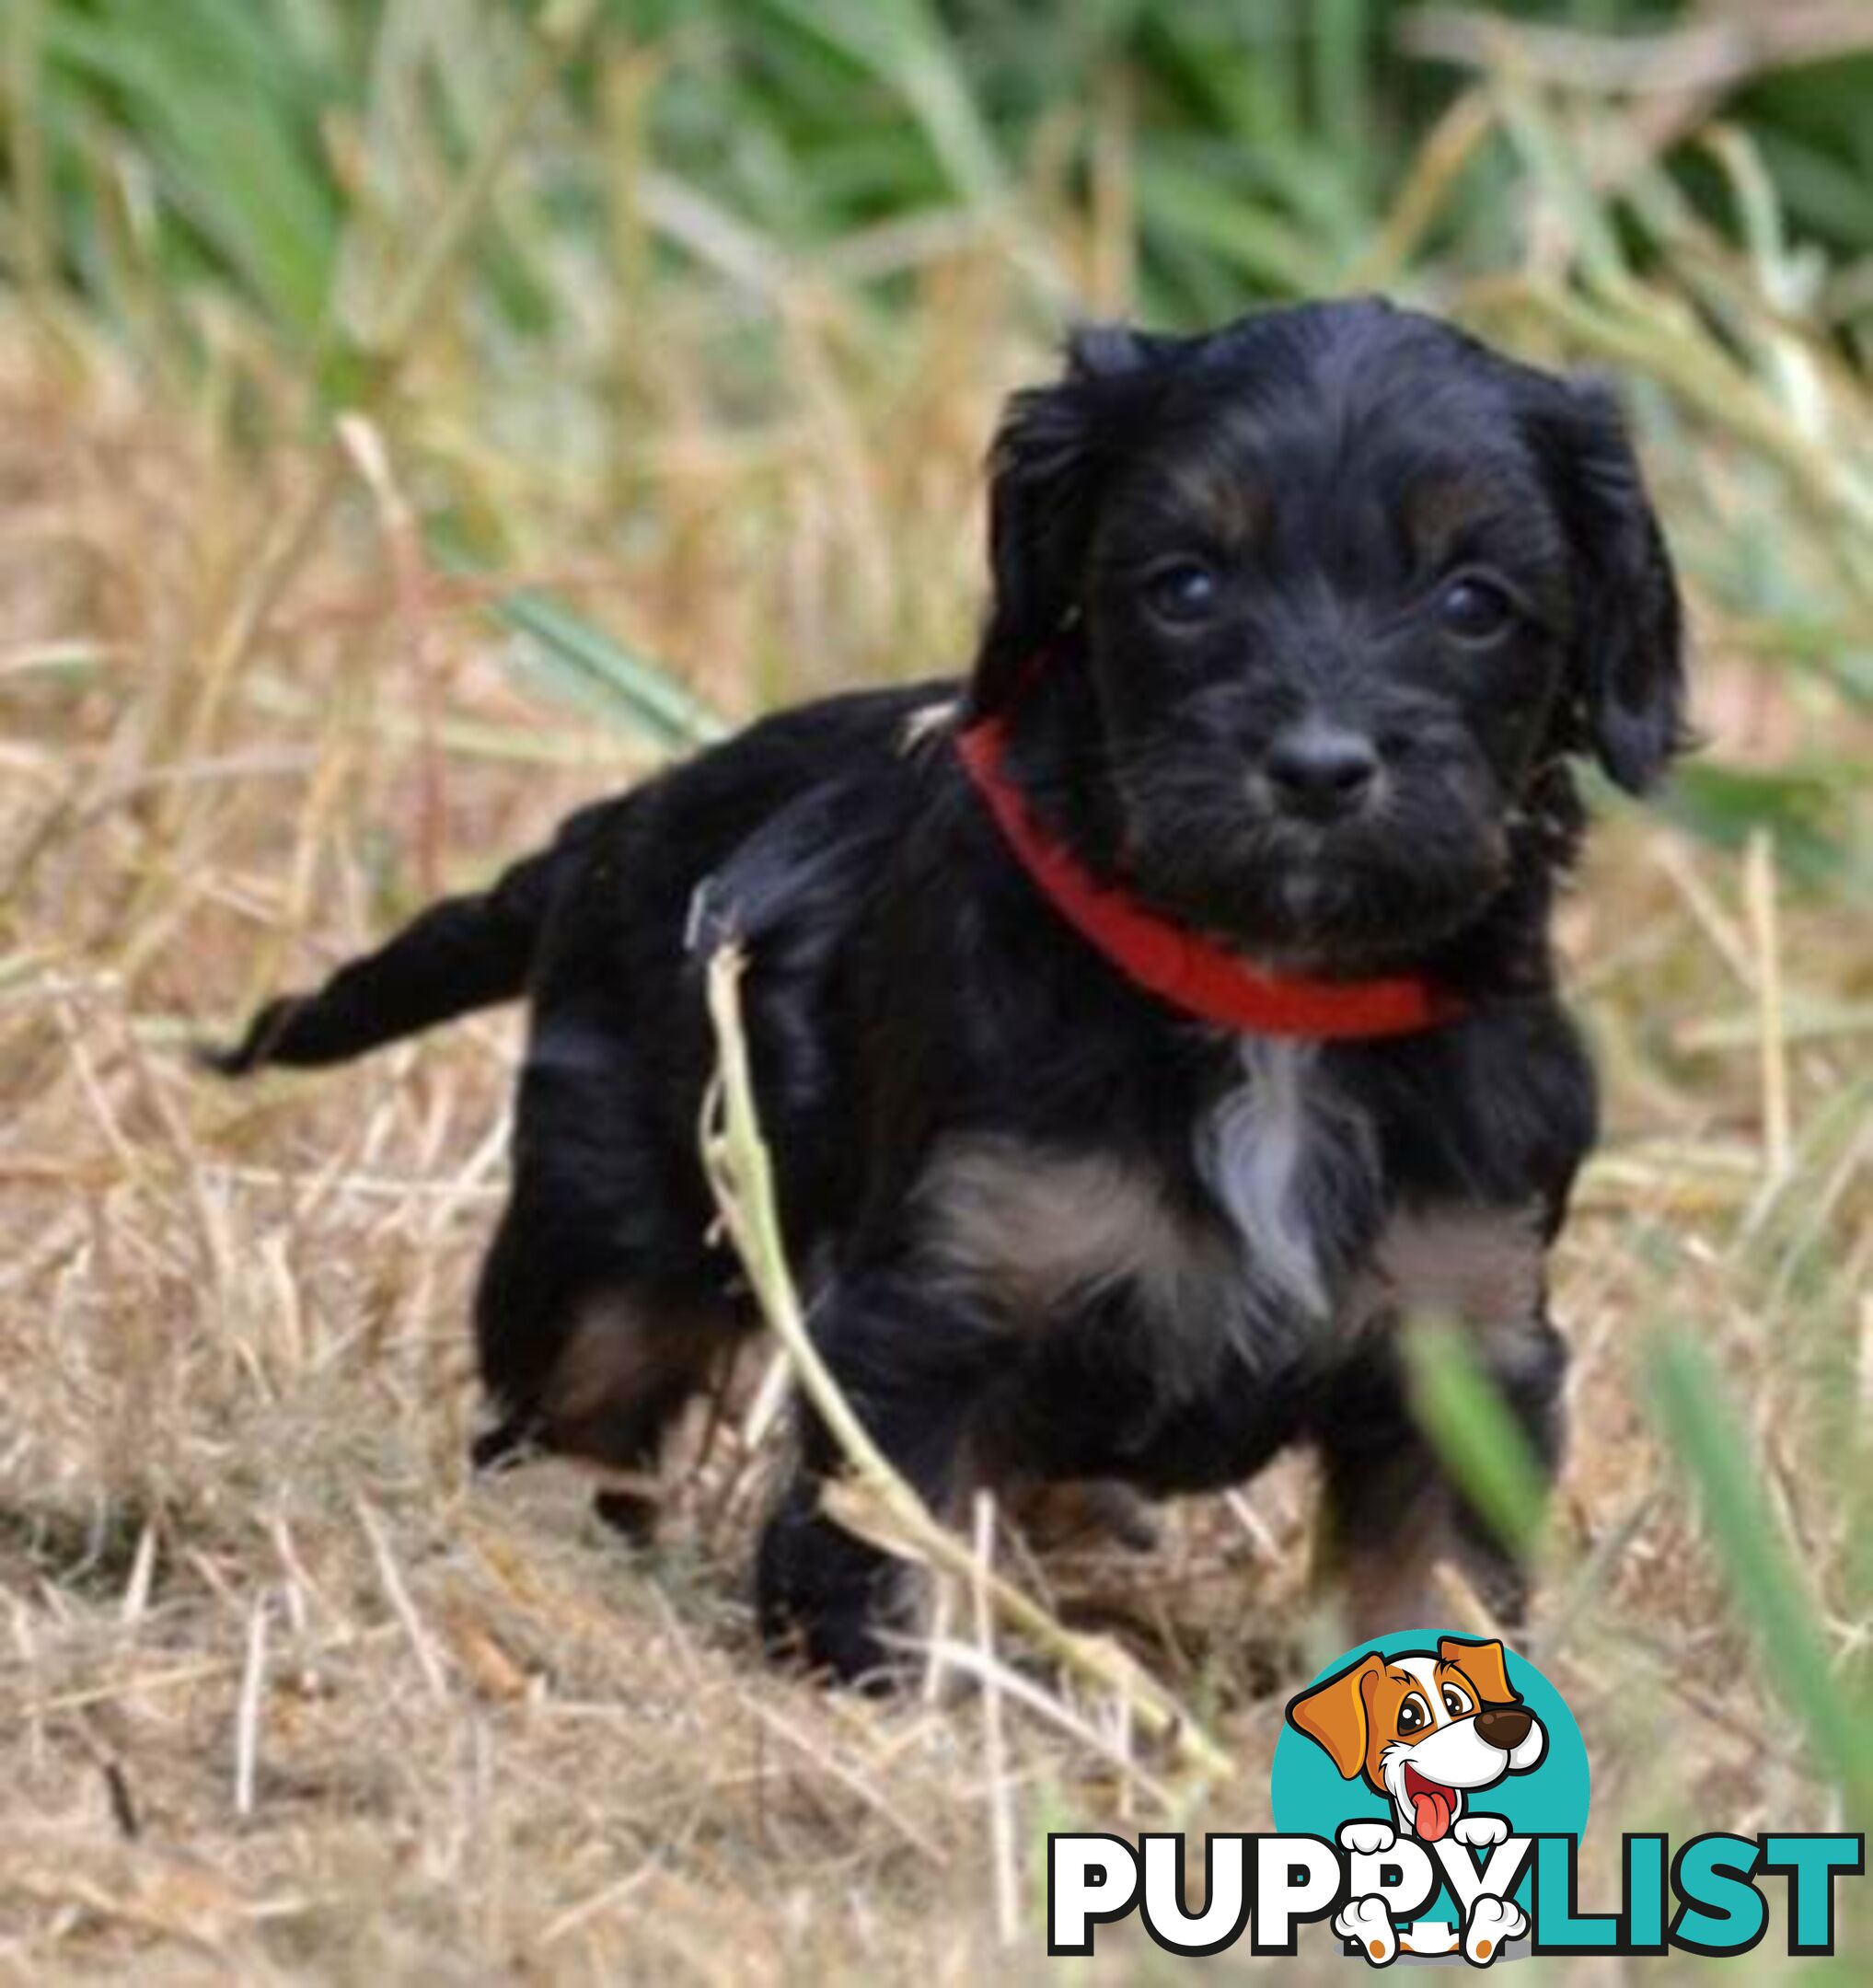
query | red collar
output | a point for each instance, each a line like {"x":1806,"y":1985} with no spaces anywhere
{"x":1174,"y":962}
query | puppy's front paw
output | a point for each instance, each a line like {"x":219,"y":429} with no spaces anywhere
{"x":1493,"y":1922}
{"x":1366,"y":1922}
{"x":1367,"y":1837}
{"x":818,"y":1598}
{"x":1479,"y":1831}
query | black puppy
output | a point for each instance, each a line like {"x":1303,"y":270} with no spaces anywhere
{"x":1141,"y":1027}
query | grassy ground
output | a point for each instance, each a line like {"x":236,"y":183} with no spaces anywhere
{"x":282,"y":1693}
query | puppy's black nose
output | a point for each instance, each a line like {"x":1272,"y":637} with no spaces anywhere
{"x":1503,"y":1725}
{"x":1321,"y":771}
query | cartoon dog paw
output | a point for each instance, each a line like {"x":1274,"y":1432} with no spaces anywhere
{"x":1493,"y":1922}
{"x":1368,"y":1924}
{"x":1479,"y":1831}
{"x":1367,"y":1837}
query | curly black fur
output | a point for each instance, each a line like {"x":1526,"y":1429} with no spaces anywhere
{"x":1050,"y":1229}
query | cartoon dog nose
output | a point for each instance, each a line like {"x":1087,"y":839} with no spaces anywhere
{"x":1321,"y":771}
{"x":1503,"y":1725}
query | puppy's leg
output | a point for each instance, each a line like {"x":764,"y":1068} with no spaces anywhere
{"x":589,"y":1358}
{"x":1390,"y":1511}
{"x":632,"y":1364}
{"x":600,"y":1310}
{"x":914,"y":1371}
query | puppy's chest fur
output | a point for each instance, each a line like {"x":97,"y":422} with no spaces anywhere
{"x":1275,"y":1241}
{"x":1293,"y":1166}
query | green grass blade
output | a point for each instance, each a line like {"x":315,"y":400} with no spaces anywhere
{"x":596,"y":671}
{"x":227,"y":109}
{"x":1704,"y":1435}
{"x":1482,"y":1446}
{"x":905,"y":46}
{"x":1342,"y":85}
{"x":1181,"y":202}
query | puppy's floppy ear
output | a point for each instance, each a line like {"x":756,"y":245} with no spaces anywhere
{"x":1049,"y":456}
{"x":1627,"y":690}
{"x":1486,"y":1667}
{"x":1333,"y":1713}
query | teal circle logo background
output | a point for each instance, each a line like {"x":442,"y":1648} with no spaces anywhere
{"x":1310,"y":1799}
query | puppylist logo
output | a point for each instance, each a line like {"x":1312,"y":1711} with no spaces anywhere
{"x":1430,"y":1736}
{"x":1431,"y":1793}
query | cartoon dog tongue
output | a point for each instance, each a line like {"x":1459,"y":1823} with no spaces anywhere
{"x":1432,"y":1805}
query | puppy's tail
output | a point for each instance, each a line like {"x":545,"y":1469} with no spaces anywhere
{"x":463,"y":954}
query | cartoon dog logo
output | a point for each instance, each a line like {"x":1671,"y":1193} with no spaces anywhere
{"x":1426,"y":1728}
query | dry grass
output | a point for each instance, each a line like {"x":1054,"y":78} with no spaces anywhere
{"x":282,"y":1694}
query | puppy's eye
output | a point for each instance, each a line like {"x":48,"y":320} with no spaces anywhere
{"x":1474,"y":610}
{"x":1455,"y":1703}
{"x":1414,"y":1715}
{"x":1182,"y":590}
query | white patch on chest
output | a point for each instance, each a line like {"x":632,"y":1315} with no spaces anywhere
{"x":1256,"y":1152}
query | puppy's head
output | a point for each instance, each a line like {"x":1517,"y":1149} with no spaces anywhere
{"x":1423,"y":1726}
{"x":1346,"y":584}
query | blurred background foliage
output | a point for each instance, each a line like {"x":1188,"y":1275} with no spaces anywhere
{"x":517,"y":237}
{"x":261,"y":150}
{"x":506,"y":233}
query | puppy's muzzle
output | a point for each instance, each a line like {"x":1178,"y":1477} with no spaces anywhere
{"x":1503,"y":1725}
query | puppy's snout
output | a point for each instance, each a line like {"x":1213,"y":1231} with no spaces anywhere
{"x":1322,"y":771}
{"x":1503,"y":1725}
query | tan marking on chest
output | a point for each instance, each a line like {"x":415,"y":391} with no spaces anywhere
{"x":1477,"y":1266}
{"x":1034,"y":1229}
